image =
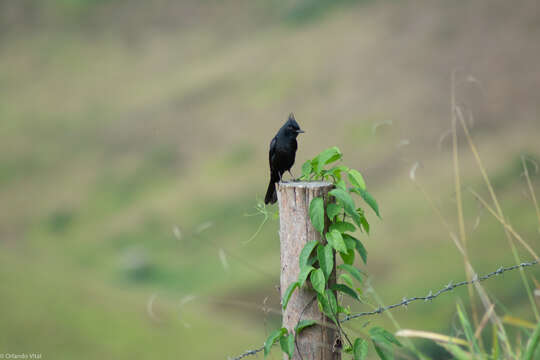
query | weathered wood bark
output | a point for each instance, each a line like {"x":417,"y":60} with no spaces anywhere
{"x":317,"y":342}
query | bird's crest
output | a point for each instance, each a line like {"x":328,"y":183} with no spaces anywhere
{"x":291,"y":121}
{"x":291,"y":117}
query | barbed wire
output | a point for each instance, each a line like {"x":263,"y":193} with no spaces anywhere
{"x":247,"y":353}
{"x":430,"y":296}
{"x":406,"y":301}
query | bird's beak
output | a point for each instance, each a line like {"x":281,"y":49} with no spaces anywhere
{"x":300,"y":131}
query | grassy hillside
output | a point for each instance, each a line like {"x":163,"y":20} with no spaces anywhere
{"x":123,"y":121}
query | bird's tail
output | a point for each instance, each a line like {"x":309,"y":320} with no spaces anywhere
{"x":271,"y":196}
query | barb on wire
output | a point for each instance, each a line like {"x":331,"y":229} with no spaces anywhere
{"x":406,"y":301}
{"x":430,"y":296}
{"x":248,"y":353}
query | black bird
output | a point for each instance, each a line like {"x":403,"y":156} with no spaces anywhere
{"x":282,"y":152}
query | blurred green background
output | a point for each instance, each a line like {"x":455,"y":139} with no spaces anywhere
{"x":135,"y":138}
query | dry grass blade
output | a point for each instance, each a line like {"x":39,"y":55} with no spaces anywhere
{"x":531,"y":190}
{"x":484,"y":321}
{"x":507,"y":319}
{"x":505,"y":224}
{"x":459,"y":202}
{"x":431,"y":336}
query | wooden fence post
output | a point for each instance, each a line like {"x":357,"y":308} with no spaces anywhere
{"x":295,"y":230}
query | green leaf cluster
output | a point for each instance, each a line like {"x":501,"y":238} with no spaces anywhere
{"x":316,"y":169}
{"x":286,"y":341}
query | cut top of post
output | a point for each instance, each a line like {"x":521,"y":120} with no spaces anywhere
{"x":306,"y":184}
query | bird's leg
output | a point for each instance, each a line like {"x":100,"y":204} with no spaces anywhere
{"x":293,"y":178}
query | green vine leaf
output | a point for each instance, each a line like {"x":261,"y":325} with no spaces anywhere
{"x":327,"y":156}
{"x":347,"y":279}
{"x":271,"y":339}
{"x":318,"y":281}
{"x":361,"y":250}
{"x":353,"y":243}
{"x":337,"y":170}
{"x":356,"y":179}
{"x":306,"y":170}
{"x":306,"y":252}
{"x":326,"y":259}
{"x":381,"y":353}
{"x":346,"y":290}
{"x":352,"y":270}
{"x":287,"y":344}
{"x":332,"y":302}
{"x":360,"y":349}
{"x":345,"y":198}
{"x":316,"y":213}
{"x":363,"y":220}
{"x":348,"y":257}
{"x":348,"y":204}
{"x":370,"y":200}
{"x":350,"y":241}
{"x":304,"y":324}
{"x":324,"y":306}
{"x":378,"y":334}
{"x":288,"y":293}
{"x":332,"y":210}
{"x":340,"y":184}
{"x":335,"y":239}
{"x":304,"y":273}
{"x":342,"y":226}
{"x":312,"y":260}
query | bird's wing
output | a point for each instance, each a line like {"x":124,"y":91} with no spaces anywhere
{"x":272,"y":151}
